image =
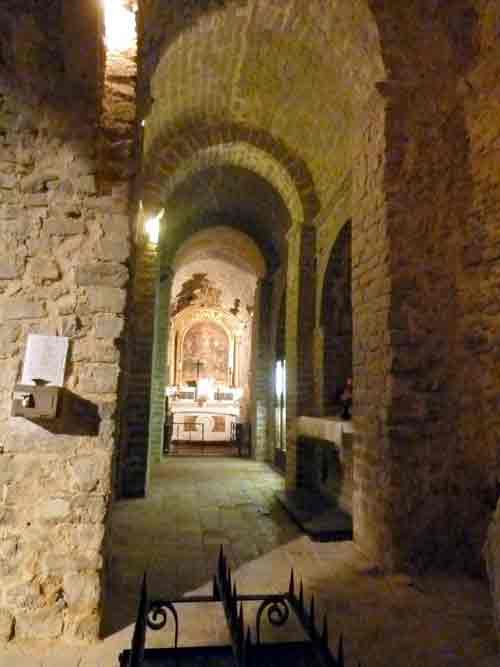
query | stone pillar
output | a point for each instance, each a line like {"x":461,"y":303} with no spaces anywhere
{"x":64,"y":267}
{"x":157,"y":400}
{"x":415,"y":491}
{"x":300,"y":308}
{"x":319,"y":372}
{"x":141,"y":331}
{"x":371,"y":352}
{"x":262,"y":371}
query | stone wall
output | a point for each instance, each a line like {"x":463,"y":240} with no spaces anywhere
{"x":336,"y":322}
{"x":62,"y":272}
{"x":326,"y":467}
{"x":479,"y":303}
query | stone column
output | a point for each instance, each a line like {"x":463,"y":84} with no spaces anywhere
{"x":319,"y":371}
{"x":300,"y":308}
{"x":141,"y":330}
{"x":412,"y":202}
{"x":157,"y":400}
{"x":262,"y":371}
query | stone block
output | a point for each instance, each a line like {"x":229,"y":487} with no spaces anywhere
{"x":107,"y":409}
{"x":36,"y":182}
{"x":7,"y":181}
{"x":25,"y":595}
{"x":43,"y":268}
{"x":89,"y":509}
{"x":58,"y":564}
{"x":117,"y":250}
{"x":81,"y":590}
{"x":8,"y":547}
{"x":92,"y":535}
{"x":97,"y":379}
{"x":54,"y":510}
{"x":38,"y":200}
{"x":106,"y":352}
{"x":43,"y":624}
{"x":9,"y":269}
{"x":84,"y":628}
{"x":6,"y":625}
{"x":64,"y":227}
{"x":22,"y":309}
{"x":102,"y":273}
{"x":87,"y":184}
{"x":10,"y":212}
{"x":19,"y":227}
{"x":66,"y":304}
{"x":106,"y":299}
{"x":69,"y":326}
{"x":91,"y":474}
{"x":108,"y":326}
{"x":9,"y":333}
{"x":107,"y":432}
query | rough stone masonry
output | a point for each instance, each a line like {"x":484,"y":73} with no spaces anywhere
{"x":64,"y":231}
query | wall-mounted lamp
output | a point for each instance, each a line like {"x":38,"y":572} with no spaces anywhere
{"x":152,"y":227}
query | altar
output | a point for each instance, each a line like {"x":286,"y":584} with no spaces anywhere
{"x":201,"y":415}
{"x":208,"y":356}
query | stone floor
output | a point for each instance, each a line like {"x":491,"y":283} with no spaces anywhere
{"x":195,"y":505}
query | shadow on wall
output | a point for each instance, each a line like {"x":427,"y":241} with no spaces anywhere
{"x":75,"y":416}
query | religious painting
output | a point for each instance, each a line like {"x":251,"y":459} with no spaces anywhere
{"x":205,"y":353}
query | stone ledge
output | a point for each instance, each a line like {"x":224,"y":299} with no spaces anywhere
{"x":329,"y":429}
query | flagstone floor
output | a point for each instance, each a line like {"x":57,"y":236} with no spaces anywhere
{"x":197,"y":504}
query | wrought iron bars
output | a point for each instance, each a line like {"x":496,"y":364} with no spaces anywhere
{"x":246,"y":653}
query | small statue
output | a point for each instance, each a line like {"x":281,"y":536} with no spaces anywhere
{"x":346,"y":400}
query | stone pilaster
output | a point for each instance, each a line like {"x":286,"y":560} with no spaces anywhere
{"x":300,"y":305}
{"x":262,"y":371}
{"x":319,"y":379}
{"x":141,"y":331}
{"x":159,"y":361}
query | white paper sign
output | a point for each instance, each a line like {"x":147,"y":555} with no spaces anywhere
{"x":45,"y":358}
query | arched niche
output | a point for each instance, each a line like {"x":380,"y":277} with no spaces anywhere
{"x":336,"y":321}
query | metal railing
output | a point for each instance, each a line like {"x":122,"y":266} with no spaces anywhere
{"x":196,"y":432}
{"x":244,"y":648}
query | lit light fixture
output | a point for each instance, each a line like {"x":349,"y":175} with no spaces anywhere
{"x":120,"y":26}
{"x":152,"y":227}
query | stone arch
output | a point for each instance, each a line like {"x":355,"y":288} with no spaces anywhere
{"x":176,"y":155}
{"x":242,"y":154}
{"x":228,"y":240}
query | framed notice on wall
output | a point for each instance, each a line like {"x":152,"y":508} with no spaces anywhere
{"x":45,"y":359}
